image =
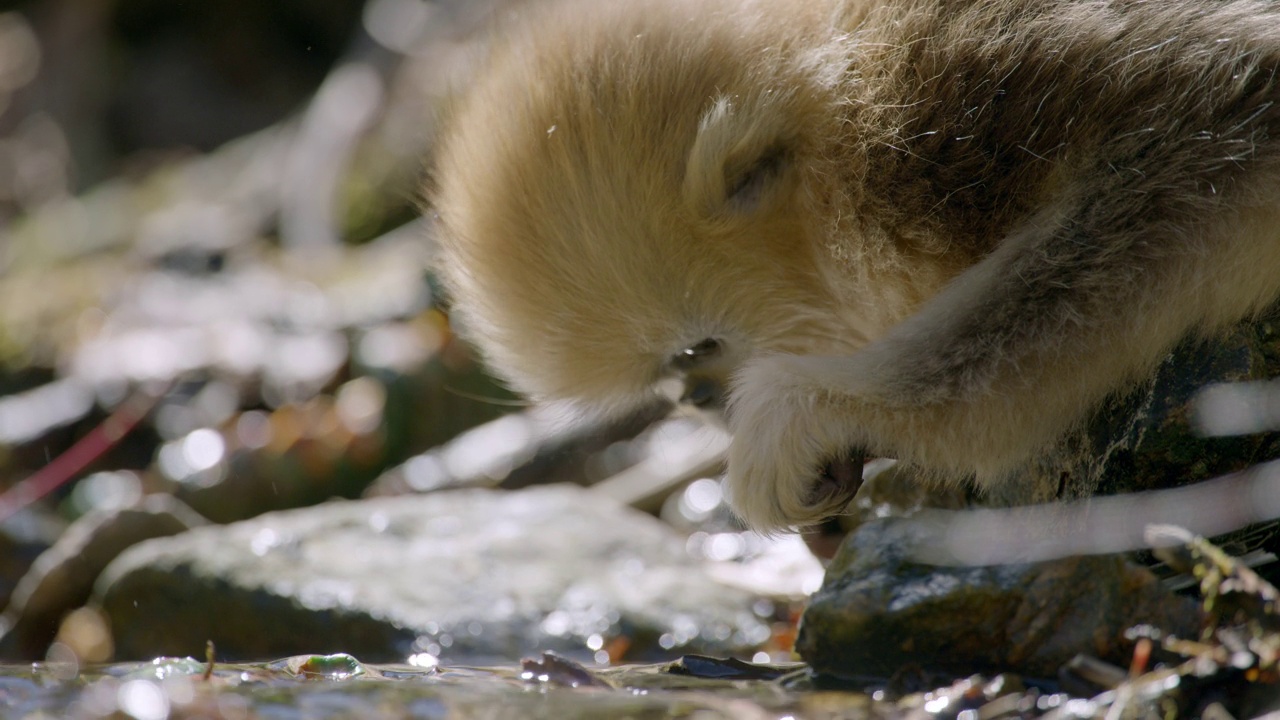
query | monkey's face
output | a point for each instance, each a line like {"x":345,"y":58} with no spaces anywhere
{"x":635,"y":203}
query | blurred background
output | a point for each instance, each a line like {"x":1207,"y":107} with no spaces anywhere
{"x":196,"y":204}
{"x":216,"y":301}
{"x":194,"y":199}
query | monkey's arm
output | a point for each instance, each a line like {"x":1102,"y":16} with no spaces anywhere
{"x":1158,"y":218}
{"x":1080,"y":300}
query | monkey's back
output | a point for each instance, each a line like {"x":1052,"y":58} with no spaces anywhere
{"x":967,"y":116}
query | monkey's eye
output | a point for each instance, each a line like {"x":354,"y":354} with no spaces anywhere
{"x":696,"y":354}
{"x":746,"y":189}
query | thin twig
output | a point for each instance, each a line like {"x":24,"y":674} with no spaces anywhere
{"x":85,"y":451}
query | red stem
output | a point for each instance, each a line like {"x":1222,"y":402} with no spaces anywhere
{"x":68,"y":465}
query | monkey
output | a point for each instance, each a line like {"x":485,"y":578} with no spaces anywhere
{"x":942,"y":231}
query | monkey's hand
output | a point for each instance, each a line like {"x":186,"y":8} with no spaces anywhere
{"x":795,"y":457}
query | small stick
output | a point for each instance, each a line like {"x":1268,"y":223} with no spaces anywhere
{"x":76,"y":458}
{"x":208,"y":659}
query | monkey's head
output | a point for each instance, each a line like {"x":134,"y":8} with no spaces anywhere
{"x":625,"y":195}
{"x":634,"y":192}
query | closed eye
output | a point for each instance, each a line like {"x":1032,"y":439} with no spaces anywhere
{"x":746,"y":189}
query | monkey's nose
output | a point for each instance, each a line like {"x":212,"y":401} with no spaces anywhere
{"x":703,"y":393}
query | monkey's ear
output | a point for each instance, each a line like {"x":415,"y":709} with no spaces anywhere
{"x":739,"y":159}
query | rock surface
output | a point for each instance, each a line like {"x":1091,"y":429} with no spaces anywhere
{"x":467,"y":576}
{"x":877,"y":611}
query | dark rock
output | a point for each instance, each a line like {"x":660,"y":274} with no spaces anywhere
{"x":62,"y":578}
{"x":463,"y":575}
{"x":877,"y":611}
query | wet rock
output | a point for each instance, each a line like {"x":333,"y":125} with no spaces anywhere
{"x":558,"y":671}
{"x":877,"y":611}
{"x":61,"y":579}
{"x":341,"y":687}
{"x":463,"y":575}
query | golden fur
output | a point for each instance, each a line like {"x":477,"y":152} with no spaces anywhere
{"x":939,"y":230}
